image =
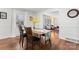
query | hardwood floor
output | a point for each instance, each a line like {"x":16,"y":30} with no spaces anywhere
{"x":8,"y":44}
{"x":57,"y":44}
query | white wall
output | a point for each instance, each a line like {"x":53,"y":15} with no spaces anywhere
{"x":27,"y":22}
{"x":5,"y":24}
{"x":68,"y":26}
{"x":40,"y":24}
{"x":8,"y":27}
{"x":47,"y":12}
{"x":14,"y":25}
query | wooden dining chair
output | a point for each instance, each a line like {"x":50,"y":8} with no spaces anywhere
{"x":30,"y":38}
{"x":22,"y":35}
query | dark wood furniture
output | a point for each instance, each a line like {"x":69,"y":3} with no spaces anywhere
{"x":30,"y":38}
{"x":22,"y":35}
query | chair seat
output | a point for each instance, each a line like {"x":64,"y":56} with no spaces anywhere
{"x":24,"y":35}
{"x":33,"y":39}
{"x":43,"y":34}
{"x":36,"y":38}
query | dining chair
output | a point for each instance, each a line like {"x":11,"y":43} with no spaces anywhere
{"x":22,"y":35}
{"x":30,"y":38}
{"x":47,"y":37}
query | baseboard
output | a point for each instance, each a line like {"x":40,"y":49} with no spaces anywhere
{"x":70,"y":40}
{"x":4,"y":37}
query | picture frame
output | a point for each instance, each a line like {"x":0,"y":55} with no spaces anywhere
{"x":3,"y":15}
{"x":73,"y":13}
{"x":20,"y":19}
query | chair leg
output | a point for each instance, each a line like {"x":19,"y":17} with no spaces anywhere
{"x":50,"y":42}
{"x":39,"y":44}
{"x":27,"y":43}
{"x":32,"y":44}
{"x":45,"y":42}
{"x":22,"y":42}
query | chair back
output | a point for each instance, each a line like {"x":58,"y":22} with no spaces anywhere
{"x":20,"y":30}
{"x":29,"y":32}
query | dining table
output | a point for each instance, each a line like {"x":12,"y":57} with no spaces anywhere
{"x":40,"y":32}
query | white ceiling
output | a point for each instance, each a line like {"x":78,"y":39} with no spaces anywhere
{"x":33,"y":9}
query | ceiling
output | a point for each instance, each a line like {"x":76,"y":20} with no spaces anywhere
{"x":54,"y":12}
{"x":33,"y":9}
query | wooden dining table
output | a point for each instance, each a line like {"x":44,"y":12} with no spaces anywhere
{"x":40,"y":32}
{"x":43,"y":34}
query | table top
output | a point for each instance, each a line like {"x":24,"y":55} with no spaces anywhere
{"x":40,"y":31}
